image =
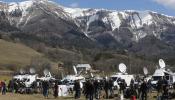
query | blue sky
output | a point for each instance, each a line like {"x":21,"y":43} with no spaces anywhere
{"x":161,"y":6}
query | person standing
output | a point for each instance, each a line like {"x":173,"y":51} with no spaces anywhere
{"x":132,"y":83}
{"x":143,"y":89}
{"x":89,"y":90}
{"x":111,"y":87}
{"x":97,"y":89}
{"x":165,"y":89}
{"x":85,"y":89}
{"x":149,"y":86}
{"x":11,"y":86}
{"x":106,"y":88}
{"x":133,"y":92}
{"x":55,"y":89}
{"x":45,"y":86}
{"x":123,"y":86}
{"x":4,"y":88}
{"x":16,"y":86}
{"x":159,"y":87}
{"x":77,"y":89}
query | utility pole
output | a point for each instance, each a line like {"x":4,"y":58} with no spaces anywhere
{"x":129,"y":63}
{"x":81,"y":57}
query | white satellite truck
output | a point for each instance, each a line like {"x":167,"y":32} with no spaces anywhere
{"x":122,"y":75}
{"x":27,"y":79}
{"x":70,"y":79}
{"x":162,"y":72}
{"x":79,"y":71}
{"x":47,"y":76}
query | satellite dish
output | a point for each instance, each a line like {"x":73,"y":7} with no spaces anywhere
{"x":161,"y":63}
{"x":75,"y":70}
{"x":122,"y":67}
{"x":106,"y":77}
{"x":168,"y":70}
{"x":145,"y":70}
{"x":46,"y":72}
{"x":92,"y":75}
{"x":22,"y":71}
{"x":32,"y":70}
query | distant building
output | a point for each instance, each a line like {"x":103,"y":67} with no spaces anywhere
{"x":83,"y":67}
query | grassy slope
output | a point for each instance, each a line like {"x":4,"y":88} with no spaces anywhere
{"x":16,"y":54}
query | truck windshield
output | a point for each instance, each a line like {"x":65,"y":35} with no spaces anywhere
{"x":114,"y":78}
{"x":156,"y":78}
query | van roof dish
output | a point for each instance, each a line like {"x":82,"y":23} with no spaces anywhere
{"x":162,"y":63}
{"x":122,"y":67}
{"x":46,"y":72}
{"x":145,"y":70}
{"x":32,"y":70}
{"x":22,"y":71}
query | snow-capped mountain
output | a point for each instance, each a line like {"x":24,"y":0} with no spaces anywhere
{"x":140,"y":23}
{"x":24,"y":15}
{"x":110,"y":28}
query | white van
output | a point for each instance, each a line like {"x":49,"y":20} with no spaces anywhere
{"x":118,"y":76}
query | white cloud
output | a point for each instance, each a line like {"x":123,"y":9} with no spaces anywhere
{"x":74,"y":5}
{"x":166,"y":3}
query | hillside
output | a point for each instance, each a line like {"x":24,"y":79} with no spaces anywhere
{"x":15,"y":54}
{"x":101,"y":37}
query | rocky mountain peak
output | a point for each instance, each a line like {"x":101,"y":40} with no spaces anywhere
{"x":110,"y":28}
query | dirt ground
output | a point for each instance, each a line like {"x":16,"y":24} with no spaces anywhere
{"x":12,"y":96}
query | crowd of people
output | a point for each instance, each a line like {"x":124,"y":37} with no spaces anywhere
{"x":97,"y":89}
{"x":16,"y":86}
{"x":138,"y":89}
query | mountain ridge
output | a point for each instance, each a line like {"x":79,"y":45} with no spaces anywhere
{"x":61,"y":25}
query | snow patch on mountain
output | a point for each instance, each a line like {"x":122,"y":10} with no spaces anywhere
{"x":114,"y":20}
{"x":20,"y":5}
{"x":139,"y":35}
{"x":124,"y":14}
{"x":138,"y":19}
{"x":80,"y":12}
{"x":90,"y":20}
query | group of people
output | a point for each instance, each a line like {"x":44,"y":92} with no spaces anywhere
{"x":139,"y":88}
{"x":93,"y":89}
{"x":104,"y":88}
{"x":16,"y":86}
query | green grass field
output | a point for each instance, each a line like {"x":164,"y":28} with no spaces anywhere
{"x":15,"y":53}
{"x":7,"y":78}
